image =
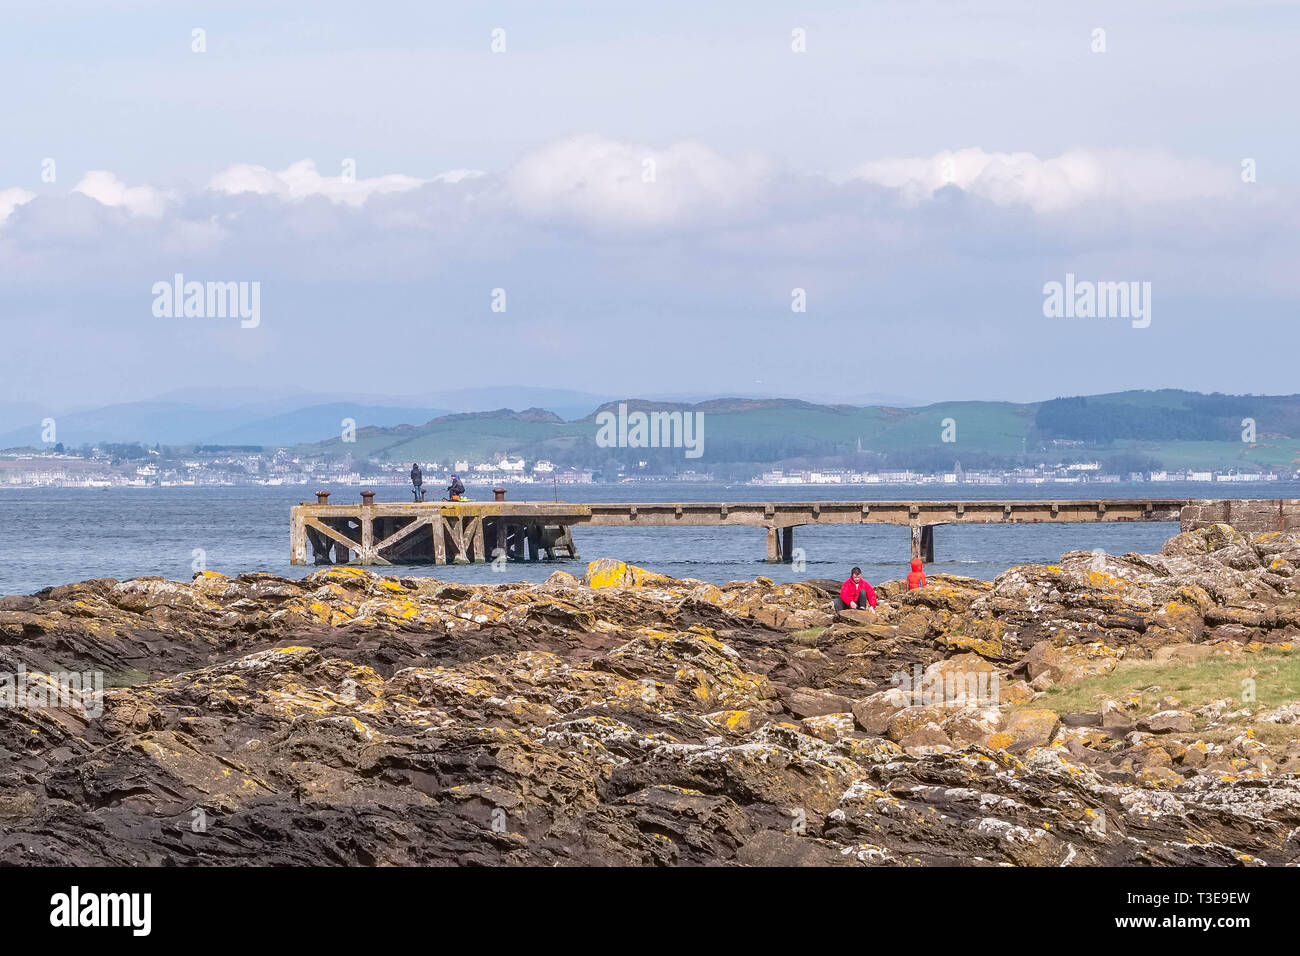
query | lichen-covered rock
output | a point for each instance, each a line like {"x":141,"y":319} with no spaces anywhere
{"x":1022,"y":729}
{"x":807,"y":702}
{"x":608,"y":573}
{"x":873,"y":713}
{"x":1166,"y":721}
{"x":631,"y":718}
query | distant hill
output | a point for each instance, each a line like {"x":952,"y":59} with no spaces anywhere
{"x":1164,"y":415}
{"x":290,"y":428}
{"x":232,"y":416}
{"x":185,"y":423}
{"x":16,"y":415}
{"x":1125,"y":431}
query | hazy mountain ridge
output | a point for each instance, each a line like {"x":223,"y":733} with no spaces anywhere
{"x":182,"y":423}
{"x":1125,"y":431}
{"x":932,"y":437}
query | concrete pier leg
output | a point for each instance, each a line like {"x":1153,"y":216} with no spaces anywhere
{"x":367,"y":540}
{"x":459,"y":540}
{"x":916,"y":541}
{"x":515,"y":543}
{"x":297,"y":538}
{"x":927,"y":543}
{"x":787,"y":545}
{"x":439,"y":541}
{"x":566,"y":541}
{"x":773,"y":545}
{"x":320,"y":549}
{"x":480,"y":548}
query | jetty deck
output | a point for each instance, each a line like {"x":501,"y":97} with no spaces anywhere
{"x":378,"y":533}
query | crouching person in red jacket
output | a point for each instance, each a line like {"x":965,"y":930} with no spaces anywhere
{"x":917,"y":578}
{"x":856,"y":592}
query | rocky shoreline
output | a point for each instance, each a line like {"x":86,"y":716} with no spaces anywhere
{"x":1067,"y":714}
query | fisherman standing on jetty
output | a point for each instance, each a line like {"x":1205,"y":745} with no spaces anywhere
{"x":417,"y":479}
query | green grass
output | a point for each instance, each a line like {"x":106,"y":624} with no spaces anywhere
{"x":130,"y":677}
{"x":1276,"y":674}
{"x":807,"y":635}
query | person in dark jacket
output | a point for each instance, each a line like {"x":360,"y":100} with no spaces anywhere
{"x":455,"y":489}
{"x":417,"y":479}
{"x":857,"y":592}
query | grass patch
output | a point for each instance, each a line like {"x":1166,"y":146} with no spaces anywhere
{"x":1272,"y":735}
{"x":807,"y":635}
{"x":130,"y":677}
{"x":1276,"y":674}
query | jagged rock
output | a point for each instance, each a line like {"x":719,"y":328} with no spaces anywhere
{"x":1166,"y":721}
{"x":829,"y":726}
{"x":608,"y":573}
{"x":927,"y":738}
{"x":862,"y":616}
{"x":635,"y":719}
{"x":872,"y":713}
{"x":1022,"y":729}
{"x":1114,"y":714}
{"x":971,"y":726}
{"x":911,"y":720}
{"x":782,"y":618}
{"x":806,"y":702}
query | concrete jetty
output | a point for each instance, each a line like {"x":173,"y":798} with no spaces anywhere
{"x":368,"y":532}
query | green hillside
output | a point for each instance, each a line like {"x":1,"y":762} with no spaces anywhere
{"x":1125,"y":431}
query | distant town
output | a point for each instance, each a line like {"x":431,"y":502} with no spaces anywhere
{"x":138,"y":467}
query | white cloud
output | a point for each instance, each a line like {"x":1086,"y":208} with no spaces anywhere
{"x":11,"y":199}
{"x":105,"y":188}
{"x":574,"y":232}
{"x":454,"y":176}
{"x":1059,"y":182}
{"x":603,"y":182}
{"x":301,"y":180}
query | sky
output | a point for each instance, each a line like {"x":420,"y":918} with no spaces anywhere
{"x":821,"y":200}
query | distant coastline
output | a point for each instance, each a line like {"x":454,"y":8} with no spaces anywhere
{"x":257,"y":470}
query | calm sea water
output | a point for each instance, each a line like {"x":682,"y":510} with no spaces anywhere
{"x":55,"y":536}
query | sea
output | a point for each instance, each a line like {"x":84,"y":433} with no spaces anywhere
{"x":52,"y":536}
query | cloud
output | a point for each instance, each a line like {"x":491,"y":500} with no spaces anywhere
{"x":645,"y":282}
{"x":1056,"y":183}
{"x":301,"y":180}
{"x":605,"y":183}
{"x":575,"y":203}
{"x":106,"y":189}
{"x":11,"y":199}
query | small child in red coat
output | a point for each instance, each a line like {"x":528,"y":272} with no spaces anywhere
{"x":917,"y":578}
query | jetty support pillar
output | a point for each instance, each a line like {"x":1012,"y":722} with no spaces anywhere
{"x":780,"y":545}
{"x":923,"y":542}
{"x":297,"y":537}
